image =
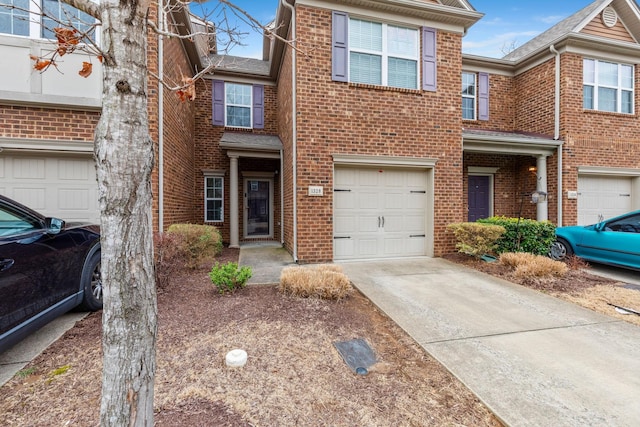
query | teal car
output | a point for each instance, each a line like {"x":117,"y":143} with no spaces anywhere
{"x":615,"y":241}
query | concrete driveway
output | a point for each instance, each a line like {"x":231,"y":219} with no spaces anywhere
{"x":15,"y":358}
{"x":532,"y":359}
{"x":620,"y":274}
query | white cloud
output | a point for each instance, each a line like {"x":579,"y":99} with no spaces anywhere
{"x":551,"y":19}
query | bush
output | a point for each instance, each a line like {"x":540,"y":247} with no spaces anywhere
{"x":527,"y":235}
{"x":228,"y":277}
{"x":527,"y":265}
{"x":168,"y":257}
{"x":324,"y":281}
{"x":201,"y":242}
{"x":476,"y":239}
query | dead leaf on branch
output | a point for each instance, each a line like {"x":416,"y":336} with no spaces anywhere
{"x":41,"y":64}
{"x":87,"y":67}
{"x":188,"y":92}
{"x":68,"y":39}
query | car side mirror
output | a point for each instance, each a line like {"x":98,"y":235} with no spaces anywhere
{"x":53,"y":225}
{"x":600,"y":226}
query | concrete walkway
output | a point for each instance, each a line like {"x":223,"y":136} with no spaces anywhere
{"x":534,"y":360}
{"x":266,"y":261}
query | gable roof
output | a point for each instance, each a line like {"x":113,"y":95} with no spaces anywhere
{"x":573,"y":25}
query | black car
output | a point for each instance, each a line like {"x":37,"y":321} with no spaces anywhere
{"x":47,"y":267}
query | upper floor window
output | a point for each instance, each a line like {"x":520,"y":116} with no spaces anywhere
{"x":14,"y":21}
{"x":238,"y":105}
{"x":608,"y":86}
{"x":383,"y":54}
{"x":469,"y":96}
{"x":18,"y":19}
{"x":58,"y":13}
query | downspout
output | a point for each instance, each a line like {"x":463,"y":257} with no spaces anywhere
{"x":294,"y":138}
{"x":556,"y":132}
{"x":282,"y":197}
{"x":161,"y":120}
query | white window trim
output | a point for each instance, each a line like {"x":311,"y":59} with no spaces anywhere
{"x":619,"y":89}
{"x":213,"y":198}
{"x":384,"y":54}
{"x":474,"y":97}
{"x":250,"y":106}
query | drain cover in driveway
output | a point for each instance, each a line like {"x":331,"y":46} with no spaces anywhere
{"x":356,"y":354}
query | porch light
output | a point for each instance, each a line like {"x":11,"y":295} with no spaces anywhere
{"x":532,"y":169}
{"x":538,"y":197}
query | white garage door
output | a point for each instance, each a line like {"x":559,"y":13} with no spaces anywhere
{"x":60,"y":186}
{"x":379,"y":212}
{"x":608,"y":196}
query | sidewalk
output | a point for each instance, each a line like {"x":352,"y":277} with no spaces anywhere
{"x":534,"y":360}
{"x":266,"y":261}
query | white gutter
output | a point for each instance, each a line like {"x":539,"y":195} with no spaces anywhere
{"x":556,"y":131}
{"x":161,"y":120}
{"x":294,"y":130}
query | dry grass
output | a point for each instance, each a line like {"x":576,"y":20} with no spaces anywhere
{"x":599,"y":298}
{"x":527,"y":265}
{"x":324,"y":281}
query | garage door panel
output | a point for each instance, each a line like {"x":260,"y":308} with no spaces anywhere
{"x":390,"y":208}
{"x":34,"y":197}
{"x":59,"y":186}
{"x":605,"y":196}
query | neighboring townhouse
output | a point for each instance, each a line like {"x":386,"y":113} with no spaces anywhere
{"x":47,"y":119}
{"x":567,"y":100}
{"x":368,"y":139}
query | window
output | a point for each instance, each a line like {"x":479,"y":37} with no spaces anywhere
{"x":630,"y":224}
{"x":14,"y":21}
{"x":63,"y":13}
{"x":383,"y":54}
{"x":468,"y":96}
{"x":18,"y":21}
{"x":238,"y":105}
{"x":213,"y":199}
{"x":608,"y":86}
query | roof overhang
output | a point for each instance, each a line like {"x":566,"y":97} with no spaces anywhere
{"x":478,"y":141}
{"x":242,"y":144}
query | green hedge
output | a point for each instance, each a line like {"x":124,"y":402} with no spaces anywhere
{"x":526,"y":235}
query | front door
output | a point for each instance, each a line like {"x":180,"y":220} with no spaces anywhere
{"x":478,"y":198}
{"x":258,"y":201}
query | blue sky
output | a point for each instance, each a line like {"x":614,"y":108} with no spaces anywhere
{"x":505,"y":23}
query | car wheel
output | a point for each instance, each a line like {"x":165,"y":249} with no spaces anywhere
{"x":560,"y":250}
{"x":92,"y":284}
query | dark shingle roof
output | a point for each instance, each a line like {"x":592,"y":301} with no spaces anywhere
{"x":250,"y":141}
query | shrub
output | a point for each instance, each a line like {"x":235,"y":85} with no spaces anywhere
{"x":201,"y":242}
{"x":476,"y":239}
{"x":526,"y":235}
{"x":168,"y":256}
{"x":326,"y":281}
{"x":529,"y":265}
{"x":228,"y":277}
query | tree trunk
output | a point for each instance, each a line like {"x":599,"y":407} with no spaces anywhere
{"x":124,"y":157}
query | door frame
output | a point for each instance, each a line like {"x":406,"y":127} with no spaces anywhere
{"x":482,"y":171}
{"x":257,"y":176}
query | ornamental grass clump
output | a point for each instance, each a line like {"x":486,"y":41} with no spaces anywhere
{"x":527,"y":265}
{"x":326,"y":281}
